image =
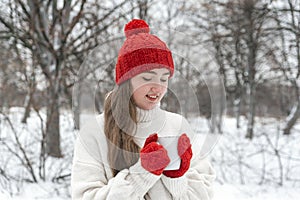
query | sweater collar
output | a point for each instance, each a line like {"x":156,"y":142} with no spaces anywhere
{"x":144,"y":116}
{"x":148,"y":122}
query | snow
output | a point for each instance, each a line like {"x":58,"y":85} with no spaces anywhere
{"x":255,"y":192}
{"x":246,"y":170}
{"x":40,"y":191}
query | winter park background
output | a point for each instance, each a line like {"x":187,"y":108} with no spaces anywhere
{"x":237,"y":83}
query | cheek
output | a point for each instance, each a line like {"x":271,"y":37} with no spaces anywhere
{"x":140,"y":92}
{"x":164,"y":89}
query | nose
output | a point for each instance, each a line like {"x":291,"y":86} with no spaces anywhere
{"x":158,"y":88}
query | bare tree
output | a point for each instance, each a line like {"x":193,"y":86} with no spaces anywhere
{"x":238,"y":38}
{"x":288,"y":24}
{"x":11,"y":81}
{"x":57,"y":33}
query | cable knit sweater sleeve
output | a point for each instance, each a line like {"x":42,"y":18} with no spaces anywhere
{"x":196,"y":183}
{"x":89,"y":177}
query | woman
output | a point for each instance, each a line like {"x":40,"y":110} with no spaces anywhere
{"x":118,"y":155}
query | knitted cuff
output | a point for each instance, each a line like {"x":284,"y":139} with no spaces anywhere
{"x":141,"y":179}
{"x":176,"y":186}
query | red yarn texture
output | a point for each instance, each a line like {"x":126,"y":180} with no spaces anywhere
{"x":185,"y":152}
{"x":154,"y":157}
{"x":141,"y":51}
{"x":136,"y":26}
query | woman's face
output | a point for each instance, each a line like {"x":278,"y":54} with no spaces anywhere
{"x":149,"y":87}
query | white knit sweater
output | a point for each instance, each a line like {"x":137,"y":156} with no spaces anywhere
{"x":92,"y":177}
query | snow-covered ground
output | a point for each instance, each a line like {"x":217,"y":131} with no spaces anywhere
{"x":255,"y":192}
{"x":266,"y":168}
{"x":222,"y":192}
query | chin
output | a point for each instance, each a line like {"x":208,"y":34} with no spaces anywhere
{"x":149,"y":107}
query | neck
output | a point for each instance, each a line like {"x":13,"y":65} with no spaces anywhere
{"x":147,"y":115}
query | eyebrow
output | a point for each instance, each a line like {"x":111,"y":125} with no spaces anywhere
{"x":152,"y":72}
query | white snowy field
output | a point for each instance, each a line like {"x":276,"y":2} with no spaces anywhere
{"x":266,"y":168}
{"x":222,"y":192}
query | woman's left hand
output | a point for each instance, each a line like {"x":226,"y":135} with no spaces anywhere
{"x":185,"y":152}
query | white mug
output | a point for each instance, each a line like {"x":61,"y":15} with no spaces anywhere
{"x":170,"y":143}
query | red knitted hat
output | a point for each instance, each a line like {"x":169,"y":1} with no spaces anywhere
{"x":141,"y":52}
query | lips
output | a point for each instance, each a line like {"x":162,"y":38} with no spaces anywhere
{"x":152,"y":97}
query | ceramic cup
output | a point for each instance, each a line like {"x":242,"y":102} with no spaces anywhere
{"x":170,"y":144}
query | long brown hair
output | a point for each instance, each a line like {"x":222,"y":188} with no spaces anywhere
{"x":119,"y":127}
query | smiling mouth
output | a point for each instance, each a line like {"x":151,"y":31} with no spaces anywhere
{"x":152,"y":97}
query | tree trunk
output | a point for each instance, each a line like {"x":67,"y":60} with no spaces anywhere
{"x":251,"y":43}
{"x":27,"y":108}
{"x":28,"y":103}
{"x":251,"y":112}
{"x":292,"y":119}
{"x":237,"y":111}
{"x":52,"y":124}
{"x":221,"y":104}
{"x":76,"y":106}
{"x":294,"y":114}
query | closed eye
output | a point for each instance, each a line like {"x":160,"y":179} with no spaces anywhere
{"x":147,"y":79}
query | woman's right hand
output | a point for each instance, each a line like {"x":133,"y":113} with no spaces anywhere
{"x":154,"y":157}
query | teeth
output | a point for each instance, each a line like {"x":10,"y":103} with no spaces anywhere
{"x":153,"y":96}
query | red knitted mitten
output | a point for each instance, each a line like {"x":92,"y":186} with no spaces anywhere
{"x":154,"y":157}
{"x":185,"y":152}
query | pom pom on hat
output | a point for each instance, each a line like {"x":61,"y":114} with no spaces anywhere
{"x":136,"y":26}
